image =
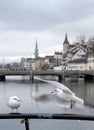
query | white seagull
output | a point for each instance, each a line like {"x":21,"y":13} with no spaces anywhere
{"x":61,"y":94}
{"x":14,"y":103}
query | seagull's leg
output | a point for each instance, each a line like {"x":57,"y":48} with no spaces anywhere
{"x":17,"y":110}
{"x":71,"y":104}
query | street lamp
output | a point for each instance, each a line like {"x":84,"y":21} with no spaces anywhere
{"x":3,"y":63}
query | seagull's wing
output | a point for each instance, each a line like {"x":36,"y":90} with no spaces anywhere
{"x":78,"y":100}
{"x":44,"y":98}
{"x":56,"y":85}
{"x":68,"y":93}
{"x":47,"y":98}
{"x":40,"y":79}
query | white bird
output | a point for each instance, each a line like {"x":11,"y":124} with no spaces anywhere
{"x":14,"y":103}
{"x":49,"y":97}
{"x":61,"y":94}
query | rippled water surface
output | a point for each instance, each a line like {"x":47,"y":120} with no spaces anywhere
{"x":24,"y":89}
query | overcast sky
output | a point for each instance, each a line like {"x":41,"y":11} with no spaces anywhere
{"x":24,"y":21}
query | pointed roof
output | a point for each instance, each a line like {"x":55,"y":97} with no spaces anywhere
{"x":66,"y":39}
{"x":36,"y":47}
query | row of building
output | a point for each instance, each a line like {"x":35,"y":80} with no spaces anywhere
{"x":77,"y":56}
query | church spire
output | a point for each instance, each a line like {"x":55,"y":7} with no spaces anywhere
{"x":66,"y":39}
{"x":36,"y":49}
{"x":65,"y":44}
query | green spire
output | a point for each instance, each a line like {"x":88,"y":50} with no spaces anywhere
{"x":36,"y":49}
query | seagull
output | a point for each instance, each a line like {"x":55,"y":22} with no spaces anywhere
{"x":64,"y":95}
{"x":14,"y":103}
{"x":60,"y":94}
{"x":49,"y":97}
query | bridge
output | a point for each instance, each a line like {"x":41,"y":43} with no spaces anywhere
{"x":59,"y":74}
{"x":86,"y":74}
{"x":4,"y":73}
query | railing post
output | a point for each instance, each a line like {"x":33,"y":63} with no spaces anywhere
{"x":26,"y":124}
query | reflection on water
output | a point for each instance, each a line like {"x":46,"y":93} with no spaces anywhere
{"x":84,"y":89}
{"x":24,"y":89}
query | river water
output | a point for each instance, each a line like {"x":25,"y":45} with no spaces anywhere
{"x":24,"y":89}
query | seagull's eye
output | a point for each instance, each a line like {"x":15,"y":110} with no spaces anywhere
{"x":15,"y":98}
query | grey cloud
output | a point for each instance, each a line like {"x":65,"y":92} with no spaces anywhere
{"x":41,"y":15}
{"x":22,"y":20}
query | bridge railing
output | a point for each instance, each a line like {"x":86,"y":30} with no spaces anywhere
{"x":11,"y":72}
{"x":50,"y":116}
{"x":47,"y":72}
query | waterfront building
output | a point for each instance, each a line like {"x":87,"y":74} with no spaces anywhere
{"x":45,"y":63}
{"x":74,"y":51}
{"x":50,"y":60}
{"x":27,"y":63}
{"x":58,"y":58}
{"x":75,"y":57}
{"x":90,"y":62}
{"x":42,"y":63}
{"x":77,"y":64}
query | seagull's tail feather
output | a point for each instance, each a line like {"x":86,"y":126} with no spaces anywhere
{"x":37,"y":78}
{"x":78,"y":100}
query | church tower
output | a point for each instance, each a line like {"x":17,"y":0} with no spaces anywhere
{"x":65,"y":45}
{"x":36,"y":50}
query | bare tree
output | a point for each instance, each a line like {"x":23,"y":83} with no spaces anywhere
{"x":91,"y":41}
{"x":81,"y":38}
